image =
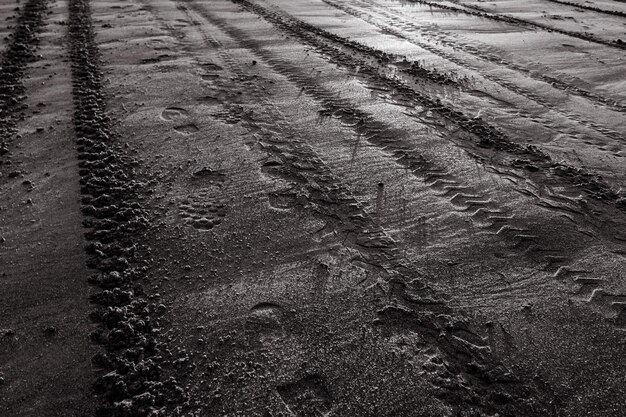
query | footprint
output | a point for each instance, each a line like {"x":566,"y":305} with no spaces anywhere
{"x":187,"y":129}
{"x":202,"y":212}
{"x":177,"y":114}
{"x":307,"y":397}
{"x":172,"y":114}
{"x":210,"y":69}
{"x":265,"y":325}
{"x":282,"y":200}
{"x":209,"y":66}
{"x":160,"y":58}
{"x":210,"y":100}
{"x":210,"y":175}
{"x":265,"y":316}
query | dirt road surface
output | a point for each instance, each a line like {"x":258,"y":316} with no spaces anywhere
{"x":312,"y":208}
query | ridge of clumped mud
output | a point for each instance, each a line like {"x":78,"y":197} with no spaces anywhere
{"x":130,"y":382}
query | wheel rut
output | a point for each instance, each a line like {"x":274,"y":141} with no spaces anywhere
{"x":487,"y":214}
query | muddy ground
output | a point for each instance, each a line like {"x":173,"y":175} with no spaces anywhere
{"x":312,"y":208}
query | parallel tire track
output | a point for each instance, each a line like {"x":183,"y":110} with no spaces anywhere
{"x":20,"y":51}
{"x":420,"y":308}
{"x":485,"y":135}
{"x":464,"y":199}
{"x":396,"y":19}
{"x":591,"y":8}
{"x":467,"y":201}
{"x":397,"y":22}
{"x":501,"y":224}
{"x":480,"y":12}
{"x":130,"y":383}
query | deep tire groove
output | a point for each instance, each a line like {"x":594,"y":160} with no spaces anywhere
{"x":19,"y":53}
{"x":130,"y":384}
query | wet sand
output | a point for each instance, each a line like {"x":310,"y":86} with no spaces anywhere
{"x":331,"y":207}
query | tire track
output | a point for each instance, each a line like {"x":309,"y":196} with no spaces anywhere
{"x":463,"y":199}
{"x":395,"y":19}
{"x":8,"y":25}
{"x":467,"y":201}
{"x":130,"y":382}
{"x":480,"y":12}
{"x":396,"y":24}
{"x":590,"y":290}
{"x":19,"y":52}
{"x":591,"y":8}
{"x":499,"y":223}
{"x":297,"y":163}
{"x":485,"y":136}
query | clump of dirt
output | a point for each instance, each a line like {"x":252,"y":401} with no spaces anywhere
{"x":131,"y":382}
